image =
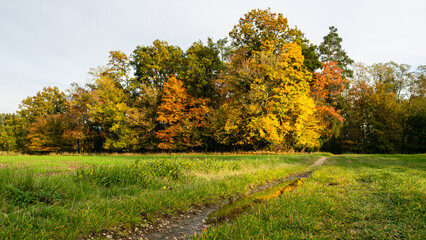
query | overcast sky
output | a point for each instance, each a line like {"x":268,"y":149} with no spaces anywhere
{"x":54,"y":43}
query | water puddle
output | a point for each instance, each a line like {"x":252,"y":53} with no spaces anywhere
{"x":184,"y":226}
{"x":234,"y":209}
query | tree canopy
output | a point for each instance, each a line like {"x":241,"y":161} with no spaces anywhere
{"x":266,"y":88}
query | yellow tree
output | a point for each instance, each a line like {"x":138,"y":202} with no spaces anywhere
{"x":259,"y":26}
{"x":290,"y":100}
{"x":267,"y":102}
{"x":265,"y":89}
{"x":182,"y":116}
{"x":108,"y":110}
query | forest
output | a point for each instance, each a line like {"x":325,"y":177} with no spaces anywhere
{"x":265,"y":87}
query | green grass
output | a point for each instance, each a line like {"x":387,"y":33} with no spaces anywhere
{"x":68,"y":163}
{"x":352,"y":197}
{"x":68,"y":197}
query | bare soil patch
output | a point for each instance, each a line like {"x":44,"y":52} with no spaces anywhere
{"x":319,"y":162}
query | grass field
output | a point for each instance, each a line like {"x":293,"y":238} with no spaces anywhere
{"x":352,"y":196}
{"x":67,"y":197}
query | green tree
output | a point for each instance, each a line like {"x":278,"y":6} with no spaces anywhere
{"x":154,"y":64}
{"x":224,"y":49}
{"x":118,"y":68}
{"x":141,"y":120}
{"x":3,"y":118}
{"x":7,"y":139}
{"x":310,"y":53}
{"x":201,"y":66}
{"x":331,"y":50}
{"x":417,"y":87}
{"x":386,"y":118}
{"x":356,"y":128}
{"x":415,"y":113}
{"x":380,"y":112}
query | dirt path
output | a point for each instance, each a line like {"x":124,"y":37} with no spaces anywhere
{"x":186,"y":225}
{"x":181,"y":227}
{"x":319,"y":162}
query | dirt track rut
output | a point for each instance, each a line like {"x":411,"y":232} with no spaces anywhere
{"x":187,"y":225}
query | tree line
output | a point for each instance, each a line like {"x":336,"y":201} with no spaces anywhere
{"x":267,"y":87}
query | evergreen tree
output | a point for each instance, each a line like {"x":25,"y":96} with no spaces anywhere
{"x":331,"y":50}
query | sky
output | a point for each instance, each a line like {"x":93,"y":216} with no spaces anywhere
{"x":55,"y":43}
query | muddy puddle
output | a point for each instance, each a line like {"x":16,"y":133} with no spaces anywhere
{"x":234,"y":209}
{"x":189,"y":224}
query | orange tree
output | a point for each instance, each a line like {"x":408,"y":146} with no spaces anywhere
{"x":326,"y":88}
{"x":182,"y":116}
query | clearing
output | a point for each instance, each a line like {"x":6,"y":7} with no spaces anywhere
{"x":157,"y":196}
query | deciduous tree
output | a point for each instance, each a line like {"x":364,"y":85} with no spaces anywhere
{"x":182,"y":116}
{"x":45,"y":134}
{"x":80,"y":131}
{"x":7,"y":139}
{"x":108,"y":110}
{"x":267,"y":98}
{"x":258,"y":26}
{"x":201,"y":66}
{"x":141,"y":120}
{"x":154,"y":64}
{"x":326,"y":89}
{"x":48,"y":102}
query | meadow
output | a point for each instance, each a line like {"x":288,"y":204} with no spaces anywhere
{"x":68,"y":197}
{"x":351,"y":196}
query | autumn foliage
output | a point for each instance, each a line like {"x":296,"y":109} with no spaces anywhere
{"x":183,"y":117}
{"x":265,"y":89}
{"x":326,"y":89}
